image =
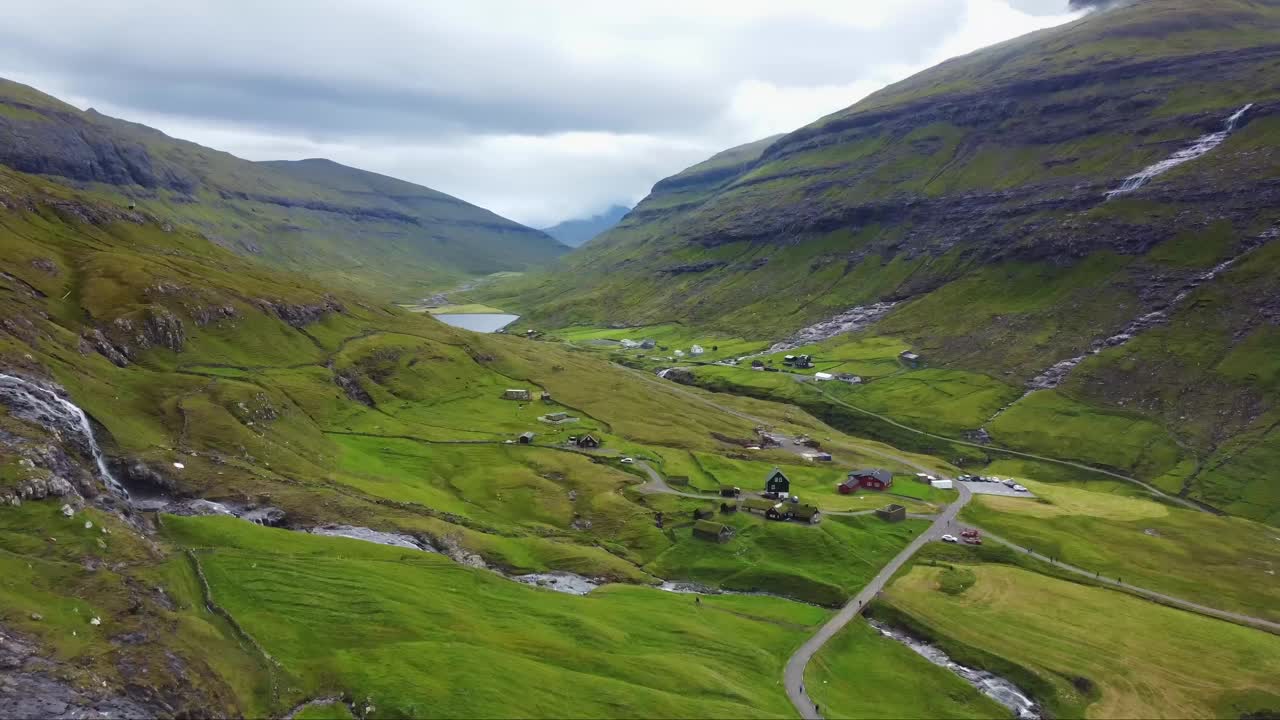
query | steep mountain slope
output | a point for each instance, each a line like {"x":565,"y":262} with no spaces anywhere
{"x":975,"y":196}
{"x":359,"y":229}
{"x":577,"y":232}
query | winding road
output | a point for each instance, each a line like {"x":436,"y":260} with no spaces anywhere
{"x":793,"y":676}
{"x":1031,"y":456}
{"x":1238,"y":618}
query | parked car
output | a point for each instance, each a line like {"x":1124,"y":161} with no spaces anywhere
{"x":770,"y":495}
{"x":627,"y":460}
{"x":794,"y":499}
{"x":973,"y":540}
{"x":1019,"y":488}
{"x":970,"y":532}
{"x":949,"y":538}
{"x":1009,"y":483}
{"x":730,"y":491}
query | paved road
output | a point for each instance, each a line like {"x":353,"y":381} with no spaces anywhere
{"x":1238,"y":618}
{"x":991,"y":448}
{"x":793,"y":676}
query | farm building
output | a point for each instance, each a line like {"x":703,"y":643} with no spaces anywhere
{"x":648,"y":344}
{"x":526,"y":438}
{"x":869,"y":479}
{"x":942,"y":484}
{"x":714,"y":531}
{"x":588,"y":442}
{"x":757,"y":505}
{"x":892,"y":513}
{"x":819,"y":456}
{"x":911,"y":359}
{"x":517,"y":394}
{"x":823,"y":377}
{"x":777,"y":482}
{"x":789,"y":511}
{"x":546,"y":396}
{"x":806,"y":513}
{"x":696,"y":350}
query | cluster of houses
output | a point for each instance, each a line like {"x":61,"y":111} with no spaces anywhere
{"x":777,"y":503}
{"x":646,"y":344}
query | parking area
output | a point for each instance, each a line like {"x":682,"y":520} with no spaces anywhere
{"x":995,"y":488}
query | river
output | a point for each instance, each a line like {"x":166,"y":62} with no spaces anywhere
{"x":477,"y":322}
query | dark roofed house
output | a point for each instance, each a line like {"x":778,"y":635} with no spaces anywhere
{"x":557,"y":417}
{"x":910,"y":358}
{"x":516,"y":394}
{"x":714,"y":531}
{"x":777,"y":482}
{"x":526,"y":438}
{"x":587,"y":441}
{"x":870,"y":479}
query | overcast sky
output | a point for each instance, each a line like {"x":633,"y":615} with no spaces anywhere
{"x":539,"y":110}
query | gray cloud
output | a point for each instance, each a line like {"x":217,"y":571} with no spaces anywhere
{"x":540,"y":111}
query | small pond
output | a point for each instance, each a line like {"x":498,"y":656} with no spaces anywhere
{"x":477,"y":322}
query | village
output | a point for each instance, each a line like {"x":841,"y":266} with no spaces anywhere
{"x":775,"y":500}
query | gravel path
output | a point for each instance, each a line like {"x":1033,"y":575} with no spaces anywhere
{"x":1238,"y":618}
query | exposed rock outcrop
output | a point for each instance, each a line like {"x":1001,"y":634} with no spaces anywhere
{"x":299,"y":316}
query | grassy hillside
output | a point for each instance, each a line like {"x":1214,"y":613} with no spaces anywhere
{"x":1103,"y":653}
{"x":208,"y":375}
{"x":973,"y":196}
{"x":383,"y":236}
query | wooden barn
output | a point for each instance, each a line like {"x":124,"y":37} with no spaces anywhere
{"x":713,"y":531}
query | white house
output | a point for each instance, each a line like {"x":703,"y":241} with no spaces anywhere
{"x":628,"y":343}
{"x":942,"y":484}
{"x":696,"y":350}
{"x":823,"y":376}
{"x":679,"y":353}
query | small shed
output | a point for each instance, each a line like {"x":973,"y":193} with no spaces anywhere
{"x":777,"y":482}
{"x":526,"y":438}
{"x":713,"y":531}
{"x":588,"y":441}
{"x":546,"y":396}
{"x":911,"y":359}
{"x":517,"y":394}
{"x":557,"y":416}
{"x":892,"y":513}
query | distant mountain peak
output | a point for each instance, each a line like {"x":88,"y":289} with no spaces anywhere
{"x":579,"y":231}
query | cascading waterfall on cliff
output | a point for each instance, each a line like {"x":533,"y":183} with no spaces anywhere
{"x":1202,"y":145}
{"x":31,"y":400}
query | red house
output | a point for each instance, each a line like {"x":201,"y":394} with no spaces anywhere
{"x":869,"y":479}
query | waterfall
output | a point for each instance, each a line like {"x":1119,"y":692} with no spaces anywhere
{"x":1202,"y":145}
{"x":39,"y":403}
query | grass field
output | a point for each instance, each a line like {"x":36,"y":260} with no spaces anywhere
{"x":823,"y":564}
{"x":716,"y":346}
{"x":419,"y":634}
{"x":860,"y":674}
{"x":1051,"y":424}
{"x":1223,"y":562}
{"x":1137,"y":658}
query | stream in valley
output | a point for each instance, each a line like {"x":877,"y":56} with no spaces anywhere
{"x":989,"y":684}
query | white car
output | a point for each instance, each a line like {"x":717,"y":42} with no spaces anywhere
{"x":950,"y":538}
{"x":627,"y":461}
{"x":1019,"y":488}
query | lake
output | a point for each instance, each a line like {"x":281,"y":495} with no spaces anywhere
{"x":477,"y":322}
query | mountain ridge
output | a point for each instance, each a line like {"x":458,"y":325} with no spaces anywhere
{"x":384,"y":236}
